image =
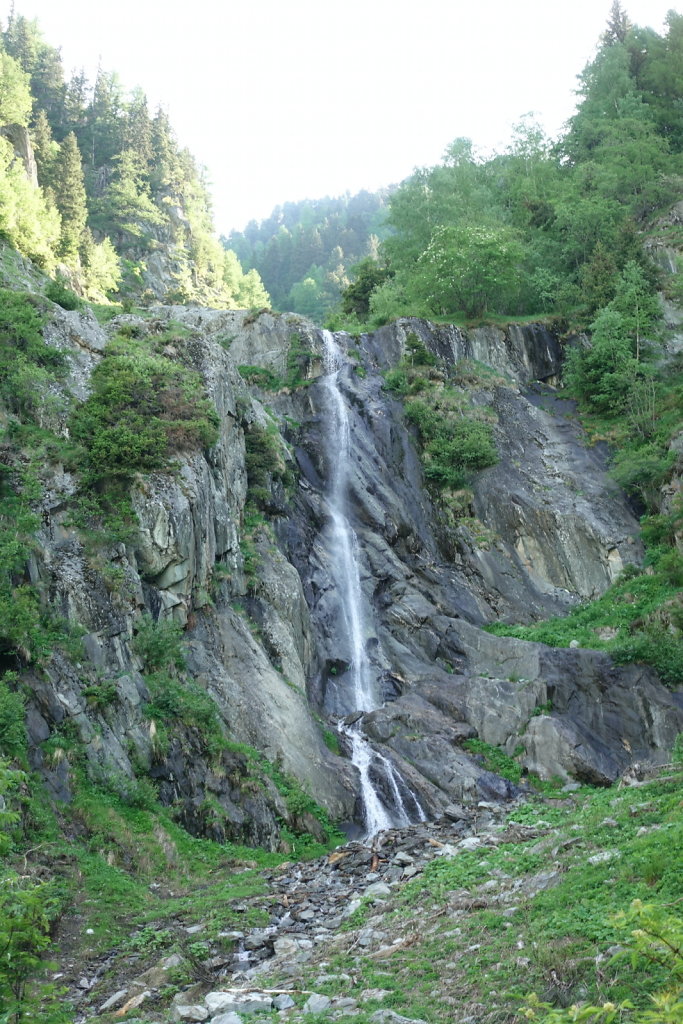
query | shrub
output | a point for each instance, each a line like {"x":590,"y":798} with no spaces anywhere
{"x":261,"y":377}
{"x":143,"y":408}
{"x":453,"y":446}
{"x":27,"y":364}
{"x":59,"y":292}
{"x":159,"y":644}
{"x":12,"y":725}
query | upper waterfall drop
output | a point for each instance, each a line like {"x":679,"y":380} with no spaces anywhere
{"x":387,"y":800}
{"x":344,"y":543}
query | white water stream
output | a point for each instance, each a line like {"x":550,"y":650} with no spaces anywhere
{"x":362,"y":692}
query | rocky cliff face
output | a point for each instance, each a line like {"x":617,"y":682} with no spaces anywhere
{"x":547,"y":528}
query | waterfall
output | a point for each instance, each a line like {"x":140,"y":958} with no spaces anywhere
{"x":390,"y":808}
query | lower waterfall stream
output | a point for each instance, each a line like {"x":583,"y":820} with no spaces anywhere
{"x":388,"y":802}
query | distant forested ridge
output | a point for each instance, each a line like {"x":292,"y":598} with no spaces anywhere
{"x":303,"y":251}
{"x":94,"y":184}
{"x":543,"y":227}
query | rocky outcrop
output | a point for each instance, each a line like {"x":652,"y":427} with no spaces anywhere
{"x":521,"y":352}
{"x":184,"y":563}
{"x":20,"y":141}
{"x":271,"y":651}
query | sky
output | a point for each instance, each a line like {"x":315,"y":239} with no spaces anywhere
{"x":283,"y":100}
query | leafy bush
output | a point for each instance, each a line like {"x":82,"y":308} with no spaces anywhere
{"x":25,"y":911}
{"x":654,"y":943}
{"x":27,"y":363}
{"x":174,"y":700}
{"x":13,"y":740}
{"x":25,"y":628}
{"x":657,"y":647}
{"x":58,"y":291}
{"x":143,"y":408}
{"x":453,"y":446}
{"x":454,"y":453}
{"x":261,"y":377}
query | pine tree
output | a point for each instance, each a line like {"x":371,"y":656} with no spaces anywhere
{"x":76,"y":103}
{"x":164,"y":175}
{"x":70,"y":198}
{"x":137,"y":131}
{"x":618,"y":25}
{"x":105,"y":121}
{"x":44,"y":148}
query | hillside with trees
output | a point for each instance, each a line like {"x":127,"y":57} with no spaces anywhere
{"x":544,"y":228}
{"x":96,"y":186}
{"x":304,"y":251}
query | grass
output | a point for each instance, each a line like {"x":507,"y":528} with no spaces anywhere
{"x":478,"y":932}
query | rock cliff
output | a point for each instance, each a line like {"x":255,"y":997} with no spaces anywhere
{"x":263,"y":638}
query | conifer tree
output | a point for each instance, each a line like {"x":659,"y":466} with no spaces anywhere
{"x":618,"y":25}
{"x":45,"y":149}
{"x":70,"y":198}
{"x":137,"y":131}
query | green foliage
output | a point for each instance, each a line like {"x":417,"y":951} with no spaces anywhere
{"x":27,"y":220}
{"x":101,"y":694}
{"x":455,"y":442}
{"x":298,"y":361}
{"x":183,"y":702}
{"x":253,"y":527}
{"x":26,"y":911}
{"x":369,"y":275}
{"x":474,"y":269}
{"x":15,"y":92}
{"x":159,"y":644}
{"x":58,"y":291}
{"x":606,"y":375}
{"x":261,"y":377}
{"x":27,"y":629}
{"x":305,"y":251}
{"x":142,"y":409}
{"x":13,"y":741}
{"x":655,"y":943}
{"x":495,"y":760}
{"x":105,"y":165}
{"x":70,"y":199}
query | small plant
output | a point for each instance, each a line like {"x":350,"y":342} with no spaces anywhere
{"x":102,"y":694}
{"x":59,"y":292}
{"x":261,"y":377}
{"x":159,"y":644}
{"x":455,"y":438}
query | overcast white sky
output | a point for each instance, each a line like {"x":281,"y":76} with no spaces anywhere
{"x":288,"y":99}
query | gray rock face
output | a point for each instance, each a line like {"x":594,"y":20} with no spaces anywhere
{"x":560,"y":531}
{"x":185,"y":563}
{"x":19,"y":139}
{"x":522,"y":352}
{"x":270,"y":649}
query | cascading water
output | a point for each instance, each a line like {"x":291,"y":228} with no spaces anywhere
{"x":392,"y":809}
